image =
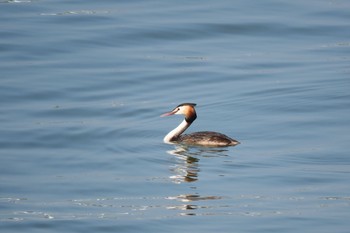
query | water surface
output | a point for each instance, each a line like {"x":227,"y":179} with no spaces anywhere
{"x":83,"y":84}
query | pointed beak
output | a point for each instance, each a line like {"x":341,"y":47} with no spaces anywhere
{"x":168,"y":114}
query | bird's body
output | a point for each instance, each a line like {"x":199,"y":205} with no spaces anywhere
{"x":207,"y":138}
{"x":203,"y":138}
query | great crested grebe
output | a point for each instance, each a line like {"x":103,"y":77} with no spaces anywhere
{"x":203,"y":138}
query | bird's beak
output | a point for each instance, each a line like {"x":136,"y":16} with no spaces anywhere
{"x":168,"y":113}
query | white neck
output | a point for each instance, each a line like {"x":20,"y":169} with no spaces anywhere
{"x":176,"y":132}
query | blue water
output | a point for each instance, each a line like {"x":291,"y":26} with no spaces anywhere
{"x":83,"y":84}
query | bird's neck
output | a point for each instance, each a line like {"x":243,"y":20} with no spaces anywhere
{"x":175,"y":133}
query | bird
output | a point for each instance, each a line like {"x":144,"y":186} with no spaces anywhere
{"x":203,"y":138}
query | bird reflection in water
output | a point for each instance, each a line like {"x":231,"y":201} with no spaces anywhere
{"x":186,"y":169}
